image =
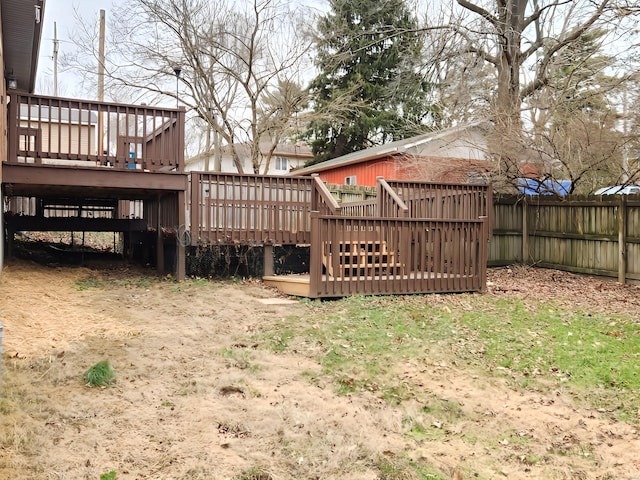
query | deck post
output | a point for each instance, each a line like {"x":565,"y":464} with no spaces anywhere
{"x":2,"y":230}
{"x":159,"y":241}
{"x":181,"y":258}
{"x":12,"y":128}
{"x":315,"y":257}
{"x":268,"y":259}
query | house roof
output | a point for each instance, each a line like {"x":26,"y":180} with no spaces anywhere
{"x":289,"y":150}
{"x":44,"y":113}
{"x":387,"y":149}
{"x":22,"y":23}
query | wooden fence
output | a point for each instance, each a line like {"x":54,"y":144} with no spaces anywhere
{"x":593,"y":235}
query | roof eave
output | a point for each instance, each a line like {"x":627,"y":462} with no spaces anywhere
{"x":22,"y":24}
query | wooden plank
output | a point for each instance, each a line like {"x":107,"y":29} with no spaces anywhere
{"x":296,"y":286}
{"x":75,"y":224}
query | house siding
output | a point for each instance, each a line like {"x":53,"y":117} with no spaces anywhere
{"x":365,"y":172}
{"x":77,"y":139}
{"x":3,"y":142}
{"x":228,"y":166}
{"x":441,"y":169}
{"x":3,"y":112}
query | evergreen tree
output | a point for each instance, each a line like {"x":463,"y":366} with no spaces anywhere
{"x":369,"y":90}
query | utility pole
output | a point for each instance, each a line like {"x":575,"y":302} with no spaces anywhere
{"x":56,"y":48}
{"x":217,"y":155}
{"x":207,"y":147}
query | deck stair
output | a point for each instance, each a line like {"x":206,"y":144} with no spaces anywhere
{"x":359,"y":258}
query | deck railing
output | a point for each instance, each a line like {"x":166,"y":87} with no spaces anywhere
{"x":51,"y":130}
{"x":361,"y":208}
{"x":386,"y":203}
{"x":253,"y":209}
{"x":352,"y":255}
{"x":444,"y":200}
{"x":321,"y":199}
{"x":390,"y":204}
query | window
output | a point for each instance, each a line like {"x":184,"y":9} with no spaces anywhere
{"x":351,"y":180}
{"x":282,"y":164}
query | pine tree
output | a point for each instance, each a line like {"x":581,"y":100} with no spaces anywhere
{"x":369,"y":90}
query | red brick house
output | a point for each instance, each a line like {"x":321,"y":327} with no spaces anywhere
{"x":457,"y":154}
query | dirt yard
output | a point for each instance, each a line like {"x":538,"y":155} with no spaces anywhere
{"x":186,"y":406}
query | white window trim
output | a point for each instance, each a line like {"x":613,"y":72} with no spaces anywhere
{"x":279,"y":161}
{"x":351,"y":180}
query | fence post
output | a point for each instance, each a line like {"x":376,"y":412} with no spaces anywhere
{"x":622,"y":239}
{"x":525,"y":232}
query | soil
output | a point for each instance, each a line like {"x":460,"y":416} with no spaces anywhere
{"x":196,"y":398}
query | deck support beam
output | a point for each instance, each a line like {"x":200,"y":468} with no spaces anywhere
{"x":181,"y":258}
{"x":159,"y":240}
{"x":268,"y":259}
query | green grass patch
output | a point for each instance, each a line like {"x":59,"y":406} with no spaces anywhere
{"x":240,"y":358}
{"x":280,"y":341}
{"x":100,"y":374}
{"x":254,"y":473}
{"x":399,"y":468}
{"x":443,"y":409}
{"x":361,"y":341}
{"x":575,"y":347}
{"x":88,"y":283}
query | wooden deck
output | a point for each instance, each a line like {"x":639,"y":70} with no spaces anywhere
{"x":299,"y":285}
{"x":296,"y":285}
{"x":75,"y":165}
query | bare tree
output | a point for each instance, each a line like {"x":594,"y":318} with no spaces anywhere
{"x":524,"y":44}
{"x":225,"y":61}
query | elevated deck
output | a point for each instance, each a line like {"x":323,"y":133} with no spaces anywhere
{"x":75,"y":165}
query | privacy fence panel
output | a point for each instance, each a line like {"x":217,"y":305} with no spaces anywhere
{"x":598,"y":236}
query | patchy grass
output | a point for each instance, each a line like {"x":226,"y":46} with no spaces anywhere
{"x":88,"y":283}
{"x":240,"y":358}
{"x":254,"y":473}
{"x":360,"y":341}
{"x":394,"y":468}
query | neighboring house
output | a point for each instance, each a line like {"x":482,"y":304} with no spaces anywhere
{"x":457,"y":154}
{"x":285,"y":158}
{"x":67,"y":131}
